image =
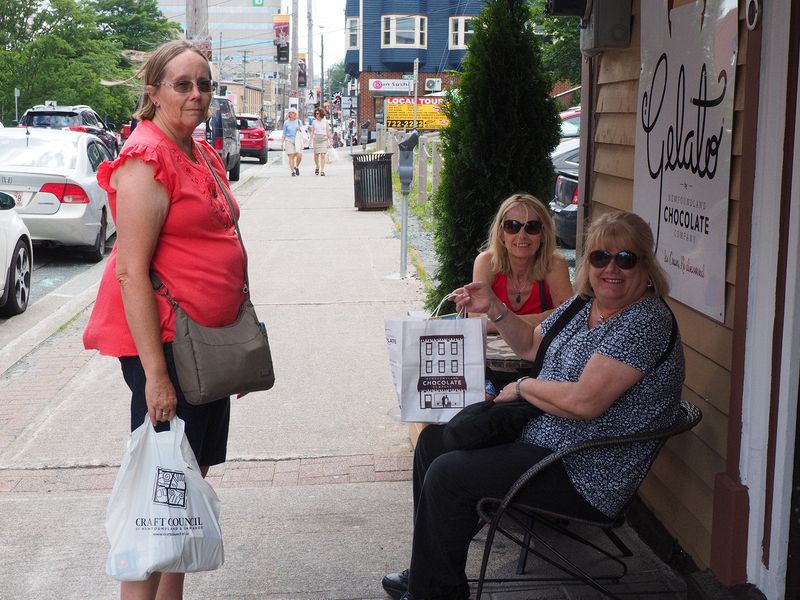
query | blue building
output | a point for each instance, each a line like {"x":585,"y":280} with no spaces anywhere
{"x":384,"y":37}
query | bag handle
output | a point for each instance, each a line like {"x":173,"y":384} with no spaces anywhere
{"x":565,"y":317}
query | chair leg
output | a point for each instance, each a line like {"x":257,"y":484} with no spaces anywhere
{"x":487,"y":548}
{"x":523,"y":549}
{"x":624,"y":550}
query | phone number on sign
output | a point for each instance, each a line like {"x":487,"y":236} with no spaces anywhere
{"x":409,"y":124}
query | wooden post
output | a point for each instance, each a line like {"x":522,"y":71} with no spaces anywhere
{"x":422,"y":171}
{"x":437,"y":165}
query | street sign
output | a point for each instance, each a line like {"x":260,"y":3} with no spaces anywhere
{"x":406,"y":76}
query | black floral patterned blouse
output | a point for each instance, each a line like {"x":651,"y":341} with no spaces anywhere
{"x":637,"y":336}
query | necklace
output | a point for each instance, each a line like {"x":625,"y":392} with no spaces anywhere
{"x":520,"y":288}
{"x":601,"y":318}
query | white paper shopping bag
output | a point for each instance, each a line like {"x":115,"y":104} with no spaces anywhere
{"x":437,"y":365}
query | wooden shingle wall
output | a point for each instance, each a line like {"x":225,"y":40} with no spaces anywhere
{"x":679,"y":488}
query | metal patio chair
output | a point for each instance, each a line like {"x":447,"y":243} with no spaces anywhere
{"x":493,"y":510}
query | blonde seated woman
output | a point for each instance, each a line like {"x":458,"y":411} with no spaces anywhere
{"x":522,"y":267}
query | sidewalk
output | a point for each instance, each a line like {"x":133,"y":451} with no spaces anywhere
{"x":316,"y":492}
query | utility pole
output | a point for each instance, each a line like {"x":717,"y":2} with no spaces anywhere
{"x":244,"y":85}
{"x":310,"y":57}
{"x":294,"y":66}
{"x":196,"y":19}
{"x":322,"y":72}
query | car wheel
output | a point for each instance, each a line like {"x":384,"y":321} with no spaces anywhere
{"x":262,"y":157}
{"x":19,"y":281}
{"x":99,"y":249}
{"x":233,"y":174}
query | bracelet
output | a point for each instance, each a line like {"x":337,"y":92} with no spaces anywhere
{"x":501,"y":316}
{"x":520,"y":380}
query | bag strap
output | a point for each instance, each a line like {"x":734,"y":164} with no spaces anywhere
{"x":565,"y":317}
{"x":673,"y":336}
{"x":544,"y":303}
{"x":222,"y":187}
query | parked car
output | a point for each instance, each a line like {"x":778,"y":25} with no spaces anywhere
{"x":76,"y":118}
{"x":221,"y":132}
{"x":564,"y":205}
{"x":275,"y":139}
{"x":252,"y":137}
{"x":571,"y":122}
{"x":16,"y":259}
{"x":53,"y":177}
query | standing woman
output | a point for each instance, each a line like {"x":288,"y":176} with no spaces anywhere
{"x":292,"y":142}
{"x":320,"y":137}
{"x":171,"y":216}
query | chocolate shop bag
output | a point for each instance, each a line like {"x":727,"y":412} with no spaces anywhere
{"x":437,"y":365}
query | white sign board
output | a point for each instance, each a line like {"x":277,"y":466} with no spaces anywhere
{"x":684,"y":130}
{"x":390,"y":85}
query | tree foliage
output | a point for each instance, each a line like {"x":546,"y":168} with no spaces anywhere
{"x":334,"y":77}
{"x":561,"y":48}
{"x":503,"y":126}
{"x":64,"y":50}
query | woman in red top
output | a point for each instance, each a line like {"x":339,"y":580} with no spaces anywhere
{"x":520,"y":262}
{"x":172,"y":217}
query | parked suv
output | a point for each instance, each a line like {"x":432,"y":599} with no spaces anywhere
{"x":221,"y":132}
{"x":252,"y":137}
{"x":76,"y":118}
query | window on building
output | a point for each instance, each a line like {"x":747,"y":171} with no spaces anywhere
{"x":460,"y":32}
{"x":352,"y":34}
{"x":404,"y":31}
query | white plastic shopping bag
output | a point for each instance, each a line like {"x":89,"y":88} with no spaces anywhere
{"x":162,"y":515}
{"x":437,"y":365}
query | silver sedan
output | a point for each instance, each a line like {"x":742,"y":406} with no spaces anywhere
{"x":52,"y":176}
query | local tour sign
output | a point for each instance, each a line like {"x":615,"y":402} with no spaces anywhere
{"x":684,"y":130}
{"x":400,"y":113}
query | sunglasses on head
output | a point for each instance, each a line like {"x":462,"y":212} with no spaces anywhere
{"x":185,"y":86}
{"x":513,"y":226}
{"x":624,"y":259}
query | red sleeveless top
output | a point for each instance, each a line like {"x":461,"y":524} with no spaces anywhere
{"x":533,"y":305}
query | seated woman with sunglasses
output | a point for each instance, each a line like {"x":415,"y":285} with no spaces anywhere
{"x":520,"y":262}
{"x":615,"y":368}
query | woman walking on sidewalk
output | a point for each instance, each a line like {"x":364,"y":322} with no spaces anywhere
{"x":320,"y":138}
{"x":293,"y":141}
{"x":171,"y":216}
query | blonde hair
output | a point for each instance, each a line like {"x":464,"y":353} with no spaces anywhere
{"x":153,"y":72}
{"x":625,"y":230}
{"x":543,"y":261}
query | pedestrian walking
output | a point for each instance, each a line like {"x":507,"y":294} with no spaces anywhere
{"x":171,"y":216}
{"x":293,"y":141}
{"x":320,"y":138}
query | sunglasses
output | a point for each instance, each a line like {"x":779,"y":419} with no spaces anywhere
{"x":184,"y":87}
{"x":513,"y":226}
{"x":624,"y":259}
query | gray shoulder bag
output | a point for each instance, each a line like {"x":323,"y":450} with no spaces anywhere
{"x":216,"y":362}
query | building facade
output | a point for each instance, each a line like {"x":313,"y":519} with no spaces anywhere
{"x":385,"y":37}
{"x":727,"y":491}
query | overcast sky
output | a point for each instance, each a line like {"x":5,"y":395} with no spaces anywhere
{"x":328,"y":19}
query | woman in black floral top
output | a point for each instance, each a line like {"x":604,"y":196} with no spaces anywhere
{"x":609,"y":371}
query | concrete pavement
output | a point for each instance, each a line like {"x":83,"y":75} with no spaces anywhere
{"x":316,"y":492}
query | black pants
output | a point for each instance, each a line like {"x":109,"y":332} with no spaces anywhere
{"x":447,"y":487}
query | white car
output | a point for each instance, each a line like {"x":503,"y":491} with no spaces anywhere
{"x":16,"y":259}
{"x":52,"y":175}
{"x":275,"y":139}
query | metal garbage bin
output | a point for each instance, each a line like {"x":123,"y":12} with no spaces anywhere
{"x":372,"y":179}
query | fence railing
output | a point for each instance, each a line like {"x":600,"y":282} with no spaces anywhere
{"x":428,"y":157}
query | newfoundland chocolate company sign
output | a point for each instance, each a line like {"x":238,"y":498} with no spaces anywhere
{"x":684,"y":132}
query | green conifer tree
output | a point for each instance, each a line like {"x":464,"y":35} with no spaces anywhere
{"x":503,"y":126}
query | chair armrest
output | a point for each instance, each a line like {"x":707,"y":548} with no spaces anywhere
{"x":687,"y":416}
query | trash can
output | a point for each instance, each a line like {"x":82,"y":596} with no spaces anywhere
{"x":372,"y":179}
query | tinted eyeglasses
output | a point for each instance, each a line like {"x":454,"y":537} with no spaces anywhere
{"x":185,"y":86}
{"x":625,"y":260}
{"x":513,"y":226}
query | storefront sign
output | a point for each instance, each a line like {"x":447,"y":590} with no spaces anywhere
{"x":684,"y":130}
{"x":400,"y":113}
{"x":389,"y":86}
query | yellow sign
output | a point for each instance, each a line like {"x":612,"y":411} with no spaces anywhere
{"x":400,"y":113}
